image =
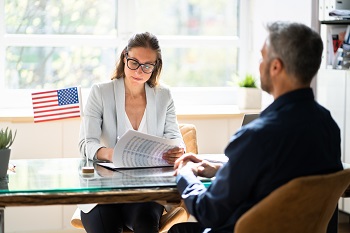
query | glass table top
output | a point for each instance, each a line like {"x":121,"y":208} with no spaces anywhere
{"x":64,"y":175}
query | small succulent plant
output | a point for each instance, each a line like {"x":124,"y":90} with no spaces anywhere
{"x":6,"y":138}
{"x":248,"y":81}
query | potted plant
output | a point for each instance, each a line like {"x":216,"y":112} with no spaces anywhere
{"x":6,"y":140}
{"x":249,"y":95}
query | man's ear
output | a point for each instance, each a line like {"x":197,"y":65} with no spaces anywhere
{"x":276,"y":66}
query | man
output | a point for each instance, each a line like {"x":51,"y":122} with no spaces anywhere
{"x":293,"y":137}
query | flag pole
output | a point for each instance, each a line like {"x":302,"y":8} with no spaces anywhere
{"x":86,"y":170}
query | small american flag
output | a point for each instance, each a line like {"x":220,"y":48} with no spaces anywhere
{"x":56,"y":104}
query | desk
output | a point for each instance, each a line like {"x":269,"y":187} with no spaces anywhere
{"x":60,"y":181}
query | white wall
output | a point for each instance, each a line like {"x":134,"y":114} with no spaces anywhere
{"x":263,"y":12}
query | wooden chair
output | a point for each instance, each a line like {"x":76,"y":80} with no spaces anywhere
{"x":303,"y":205}
{"x":177,"y":213}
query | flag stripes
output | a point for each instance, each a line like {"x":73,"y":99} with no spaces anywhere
{"x":56,"y":104}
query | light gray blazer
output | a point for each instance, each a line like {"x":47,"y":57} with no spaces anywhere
{"x":104,"y":116}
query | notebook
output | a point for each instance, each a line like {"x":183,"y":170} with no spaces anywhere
{"x":247,"y":118}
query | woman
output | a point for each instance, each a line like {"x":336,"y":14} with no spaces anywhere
{"x":134,"y":99}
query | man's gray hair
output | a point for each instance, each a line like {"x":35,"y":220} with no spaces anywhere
{"x":297,"y":46}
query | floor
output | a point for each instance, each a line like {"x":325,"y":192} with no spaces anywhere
{"x":344,"y":223}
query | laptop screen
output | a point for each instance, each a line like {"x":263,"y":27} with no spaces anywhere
{"x":247,"y":118}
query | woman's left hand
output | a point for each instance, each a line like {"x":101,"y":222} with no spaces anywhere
{"x":173,"y":154}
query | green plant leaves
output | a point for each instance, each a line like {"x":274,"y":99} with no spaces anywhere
{"x":6,"y":138}
{"x":248,"y":81}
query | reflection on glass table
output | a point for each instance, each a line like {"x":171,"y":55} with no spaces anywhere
{"x":64,"y":175}
{"x":38,"y":182}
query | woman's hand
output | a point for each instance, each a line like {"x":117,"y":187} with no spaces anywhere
{"x":105,"y":154}
{"x":173,"y":154}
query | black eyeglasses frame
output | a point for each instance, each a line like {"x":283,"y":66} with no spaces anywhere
{"x":139,"y":64}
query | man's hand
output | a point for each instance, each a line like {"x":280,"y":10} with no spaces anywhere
{"x":186,"y":158}
{"x":208,"y":169}
{"x":198,"y":166}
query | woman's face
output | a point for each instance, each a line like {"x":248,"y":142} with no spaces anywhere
{"x":136,"y":56}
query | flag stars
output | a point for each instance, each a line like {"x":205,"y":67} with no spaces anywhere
{"x":68,"y":96}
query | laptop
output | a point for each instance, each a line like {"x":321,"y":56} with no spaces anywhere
{"x":247,"y":118}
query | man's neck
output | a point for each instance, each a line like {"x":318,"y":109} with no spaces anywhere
{"x":287,"y":84}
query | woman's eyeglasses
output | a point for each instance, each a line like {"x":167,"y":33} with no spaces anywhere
{"x":134,"y":65}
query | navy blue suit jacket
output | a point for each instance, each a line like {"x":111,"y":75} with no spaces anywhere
{"x":293,"y":137}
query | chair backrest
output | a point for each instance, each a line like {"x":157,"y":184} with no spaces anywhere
{"x":303,"y":205}
{"x":189,"y":135}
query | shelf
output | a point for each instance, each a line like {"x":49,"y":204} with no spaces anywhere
{"x":339,"y":21}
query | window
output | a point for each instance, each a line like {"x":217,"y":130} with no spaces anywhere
{"x":48,"y":44}
{"x":54,"y":44}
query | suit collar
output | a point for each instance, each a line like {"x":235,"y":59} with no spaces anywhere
{"x":151,"y":110}
{"x":120,"y":105}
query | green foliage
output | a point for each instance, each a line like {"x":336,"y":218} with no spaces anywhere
{"x":6,"y":138}
{"x":248,"y":81}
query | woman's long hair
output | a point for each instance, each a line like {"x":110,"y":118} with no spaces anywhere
{"x":143,"y":40}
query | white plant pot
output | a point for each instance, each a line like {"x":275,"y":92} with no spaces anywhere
{"x":249,"y":98}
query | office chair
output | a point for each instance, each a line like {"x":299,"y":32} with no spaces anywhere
{"x":177,"y":213}
{"x":303,"y":205}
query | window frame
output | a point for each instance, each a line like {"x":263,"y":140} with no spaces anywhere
{"x":20,"y":99}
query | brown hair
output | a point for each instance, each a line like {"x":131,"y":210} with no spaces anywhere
{"x":144,"y":40}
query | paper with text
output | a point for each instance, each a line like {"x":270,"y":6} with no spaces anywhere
{"x":136,"y":149}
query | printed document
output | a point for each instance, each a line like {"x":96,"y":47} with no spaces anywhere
{"x":139,"y":150}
